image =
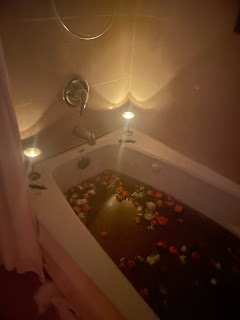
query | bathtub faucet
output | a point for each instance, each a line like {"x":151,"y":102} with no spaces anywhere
{"x":84,"y":134}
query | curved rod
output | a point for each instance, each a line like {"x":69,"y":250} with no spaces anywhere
{"x":81,"y":36}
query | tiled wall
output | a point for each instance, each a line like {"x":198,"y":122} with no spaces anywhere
{"x":41,"y":57}
{"x":177,"y":61}
{"x":185,"y":76}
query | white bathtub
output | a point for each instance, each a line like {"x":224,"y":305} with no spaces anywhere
{"x":147,"y":160}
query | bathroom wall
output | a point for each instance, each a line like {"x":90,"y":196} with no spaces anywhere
{"x":185,"y":77}
{"x":42,"y":56}
{"x":176,"y":61}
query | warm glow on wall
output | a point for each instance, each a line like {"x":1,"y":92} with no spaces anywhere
{"x":32,"y":152}
{"x":128,"y":115}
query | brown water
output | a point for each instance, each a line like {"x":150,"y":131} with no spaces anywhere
{"x":206,"y":286}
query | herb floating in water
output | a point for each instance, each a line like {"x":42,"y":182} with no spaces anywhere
{"x":176,"y":259}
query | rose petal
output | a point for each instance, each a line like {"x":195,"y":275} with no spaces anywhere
{"x":103,"y":234}
{"x":178,"y":208}
{"x":162,"y":221}
{"x":144,"y":293}
{"x":159,"y":203}
{"x":173,"y":250}
{"x":195,"y":256}
{"x":158,"y":195}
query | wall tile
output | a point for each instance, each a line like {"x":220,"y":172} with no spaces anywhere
{"x":25,"y":9}
{"x":149,"y":96}
{"x":41,"y":56}
{"x":109,"y":95}
{"x":157,"y":8}
{"x":29,"y":114}
{"x":111,"y":54}
{"x":107,"y":6}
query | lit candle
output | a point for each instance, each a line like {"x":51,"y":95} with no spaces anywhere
{"x":128,"y":115}
{"x":32,"y":152}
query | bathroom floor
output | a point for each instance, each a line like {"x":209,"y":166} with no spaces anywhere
{"x":183,"y":264}
{"x":16,"y":297}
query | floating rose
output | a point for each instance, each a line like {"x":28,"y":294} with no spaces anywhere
{"x":122,"y":266}
{"x":152,"y":259}
{"x":158,"y":195}
{"x":178,"y":208}
{"x":85,"y":208}
{"x":144,"y":293}
{"x":81,"y":201}
{"x":91,"y":186}
{"x":195,"y":256}
{"x":112,"y":182}
{"x":183,"y":259}
{"x":159,"y":203}
{"x":119,"y":197}
{"x":169,"y":203}
{"x":156,"y":213}
{"x":139,"y":195}
{"x":215,"y":264}
{"x":86,"y":195}
{"x":153,"y":223}
{"x":150,"y":193}
{"x":168,"y":197}
{"x":103,"y":234}
{"x":119,"y":189}
{"x":77,"y":209}
{"x":131,"y":264}
{"x":162,"y":244}
{"x":81,"y":216}
{"x":92,"y":192}
{"x":74,"y":195}
{"x":151,"y":206}
{"x":162,"y":221}
{"x":213,"y":282}
{"x":184,"y":249}
{"x":148,"y":216}
{"x":173,"y":250}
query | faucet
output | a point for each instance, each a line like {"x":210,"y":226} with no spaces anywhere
{"x":76,"y":93}
{"x":84,"y":134}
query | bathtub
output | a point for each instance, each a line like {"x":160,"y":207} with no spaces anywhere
{"x":148,"y":161}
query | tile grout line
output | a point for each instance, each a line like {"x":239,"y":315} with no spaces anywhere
{"x":99,"y":84}
{"x":152,"y":84}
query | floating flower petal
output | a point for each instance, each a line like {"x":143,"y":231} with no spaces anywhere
{"x":162,"y":221}
{"x":152,"y":259}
